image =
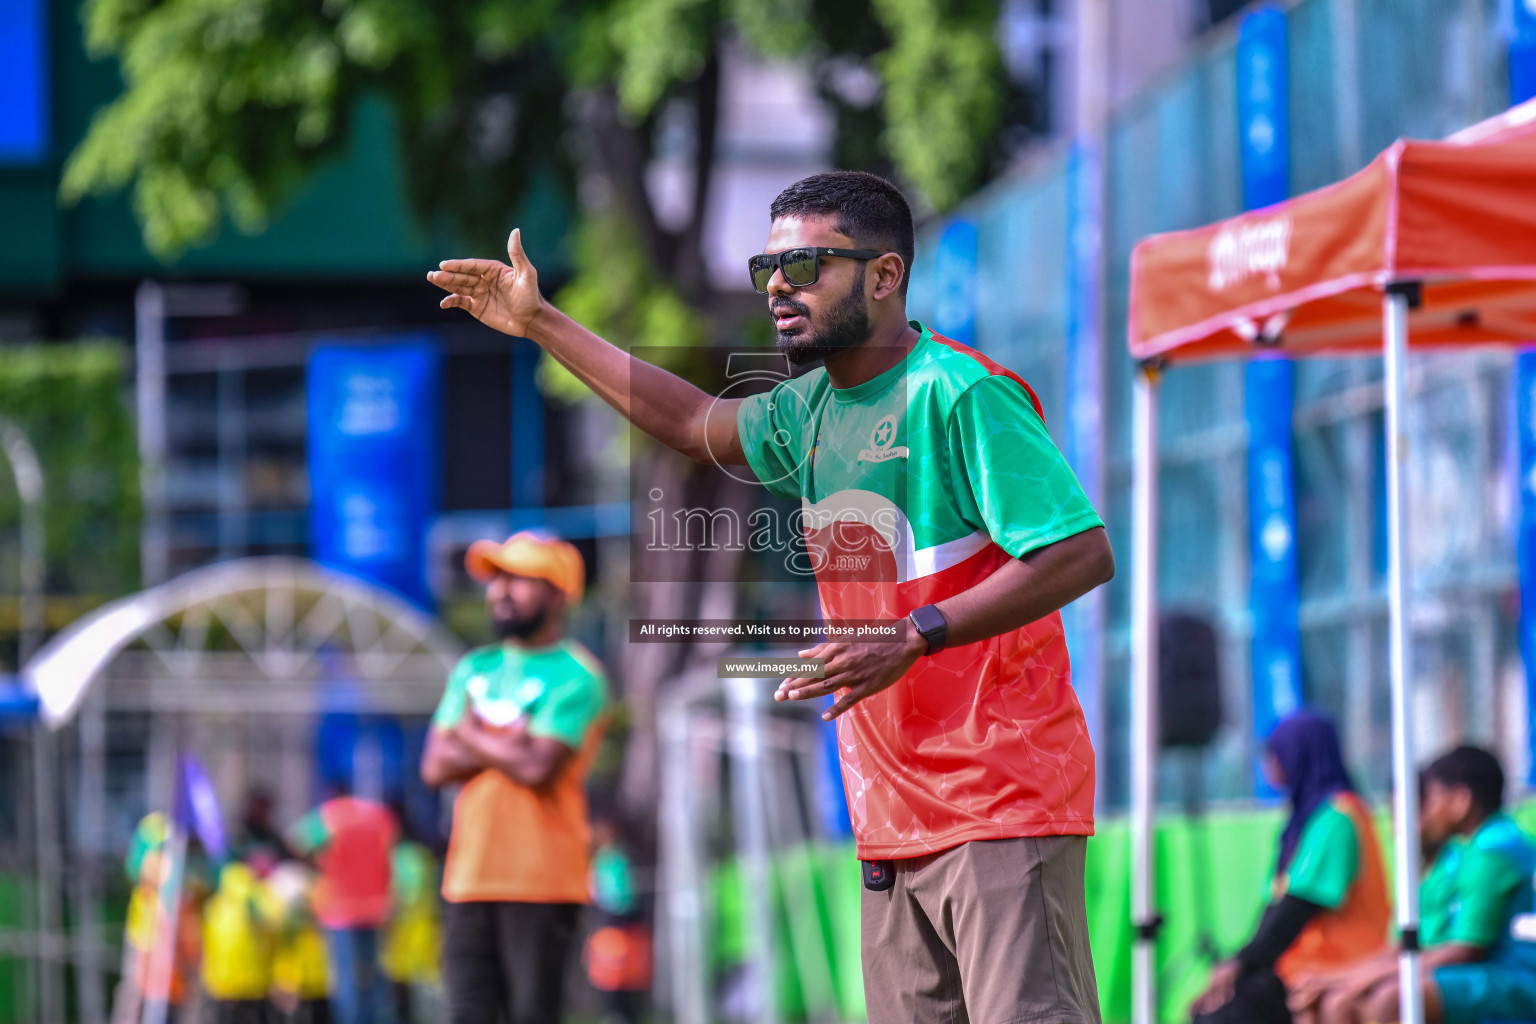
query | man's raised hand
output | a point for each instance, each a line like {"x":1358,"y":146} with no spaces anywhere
{"x":500,"y":296}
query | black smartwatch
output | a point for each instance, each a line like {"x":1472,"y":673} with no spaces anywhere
{"x":929,"y":621}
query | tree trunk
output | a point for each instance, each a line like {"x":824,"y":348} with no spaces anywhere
{"x":692,"y":267}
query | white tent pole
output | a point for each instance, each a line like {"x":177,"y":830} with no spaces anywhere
{"x":749,"y":797}
{"x":1144,"y":730}
{"x":1405,"y":795}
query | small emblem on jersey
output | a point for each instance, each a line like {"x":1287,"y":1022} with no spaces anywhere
{"x":882,"y":443}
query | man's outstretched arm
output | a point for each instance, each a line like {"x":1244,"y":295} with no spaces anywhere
{"x":506,"y":296}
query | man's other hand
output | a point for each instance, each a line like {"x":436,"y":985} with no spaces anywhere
{"x":864,"y":669}
{"x":500,"y":296}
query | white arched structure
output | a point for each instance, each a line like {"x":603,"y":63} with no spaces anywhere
{"x":236,"y":660}
{"x":264,"y":621}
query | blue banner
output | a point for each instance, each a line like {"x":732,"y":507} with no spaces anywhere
{"x":1522,"y":86}
{"x":1522,"y":50}
{"x":1274,"y":595}
{"x":1525,"y":425}
{"x":1263,"y":108}
{"x":374,"y":452}
{"x":24,"y":80}
{"x":1083,"y":618}
{"x":1264,"y":128}
{"x":363,"y":753}
{"x":954,"y":283}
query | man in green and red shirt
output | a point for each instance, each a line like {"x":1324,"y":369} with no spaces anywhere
{"x":930,"y":492}
{"x":350,"y":838}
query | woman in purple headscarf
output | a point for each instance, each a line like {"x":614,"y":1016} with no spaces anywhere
{"x":1329,"y":905}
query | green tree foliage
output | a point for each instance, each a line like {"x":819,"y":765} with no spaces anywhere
{"x":70,"y":401}
{"x":934,"y":133}
{"x":229,"y":104}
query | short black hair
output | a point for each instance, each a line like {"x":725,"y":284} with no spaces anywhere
{"x":869,"y":210}
{"x":1473,"y":768}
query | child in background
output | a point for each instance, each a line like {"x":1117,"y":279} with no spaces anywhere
{"x":349,"y":840}
{"x":238,"y":942}
{"x":618,"y":952}
{"x":413,"y":938}
{"x":300,"y":985}
{"x":1479,"y":962}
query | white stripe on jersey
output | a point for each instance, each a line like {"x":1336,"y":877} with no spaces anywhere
{"x":882,"y":515}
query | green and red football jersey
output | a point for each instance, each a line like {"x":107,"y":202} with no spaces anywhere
{"x":915,"y":486}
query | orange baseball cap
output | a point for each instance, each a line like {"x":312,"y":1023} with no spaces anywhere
{"x":534,"y":553}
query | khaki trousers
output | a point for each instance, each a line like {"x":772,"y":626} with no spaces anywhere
{"x":987,"y":932}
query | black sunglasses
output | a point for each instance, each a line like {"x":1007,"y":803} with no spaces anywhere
{"x":801,"y":266}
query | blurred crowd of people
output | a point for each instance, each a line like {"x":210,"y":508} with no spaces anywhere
{"x":337,"y":920}
{"x":345,"y":918}
{"x":334,"y":920}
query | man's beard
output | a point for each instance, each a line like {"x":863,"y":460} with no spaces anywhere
{"x":845,"y":325}
{"x":519,"y":627}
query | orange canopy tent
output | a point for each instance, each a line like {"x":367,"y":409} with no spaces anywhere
{"x":1458,"y":217}
{"x":1432,"y":240}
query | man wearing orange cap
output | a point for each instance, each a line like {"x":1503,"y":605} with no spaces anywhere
{"x":518,"y":725}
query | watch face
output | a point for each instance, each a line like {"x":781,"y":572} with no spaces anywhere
{"x":928,"y":619}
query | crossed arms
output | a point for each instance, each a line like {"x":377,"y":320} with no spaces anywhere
{"x":460,"y":752}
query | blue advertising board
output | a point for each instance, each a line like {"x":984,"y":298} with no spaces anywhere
{"x":364,"y":754}
{"x":1522,"y":50}
{"x":374,"y":453}
{"x":1083,"y":369}
{"x":1263,"y":107}
{"x":24,"y":76}
{"x":1274,"y":595}
{"x":1525,"y":426}
{"x":954,"y":277}
{"x":1522,"y":86}
{"x":1264,"y":124}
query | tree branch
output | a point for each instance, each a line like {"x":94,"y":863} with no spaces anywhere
{"x":622,"y":155}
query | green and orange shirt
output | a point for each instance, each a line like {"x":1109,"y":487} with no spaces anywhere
{"x":1478,"y":891}
{"x":509,"y":842}
{"x":1337,"y":866}
{"x":917,"y":485}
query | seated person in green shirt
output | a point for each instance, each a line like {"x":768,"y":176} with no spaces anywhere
{"x":1474,"y":901}
{"x":1329,"y":906}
